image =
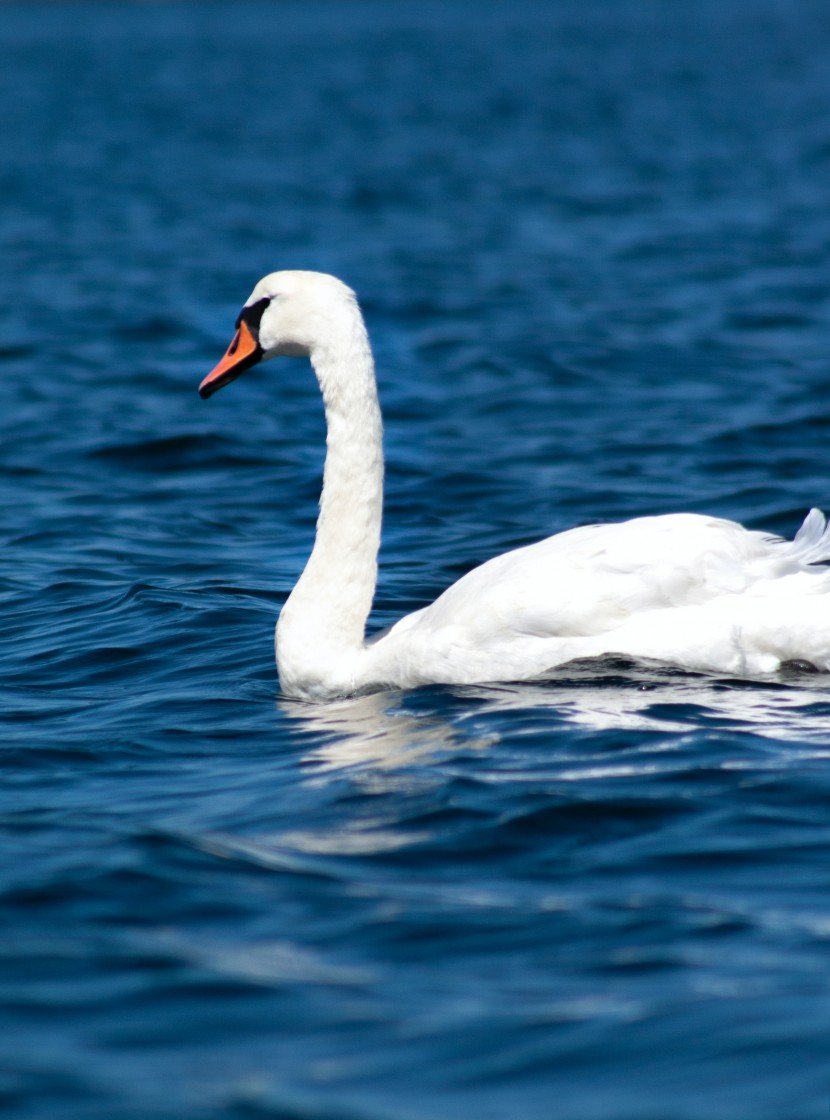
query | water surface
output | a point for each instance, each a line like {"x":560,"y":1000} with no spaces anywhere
{"x":591,"y":242}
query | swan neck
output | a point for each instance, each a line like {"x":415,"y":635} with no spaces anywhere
{"x":320,"y":634}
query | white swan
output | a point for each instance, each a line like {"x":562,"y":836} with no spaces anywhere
{"x":693,"y":591}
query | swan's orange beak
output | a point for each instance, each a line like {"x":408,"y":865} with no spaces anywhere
{"x":243,"y":352}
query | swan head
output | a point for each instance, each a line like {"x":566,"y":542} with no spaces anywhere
{"x":288,"y":314}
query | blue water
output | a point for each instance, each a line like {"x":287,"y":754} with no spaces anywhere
{"x":592,"y":242}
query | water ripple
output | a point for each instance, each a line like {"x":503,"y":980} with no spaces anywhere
{"x":590,"y":242}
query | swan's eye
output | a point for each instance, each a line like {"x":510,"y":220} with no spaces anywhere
{"x":252,"y":316}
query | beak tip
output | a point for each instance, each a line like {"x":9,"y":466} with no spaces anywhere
{"x":243,"y":352}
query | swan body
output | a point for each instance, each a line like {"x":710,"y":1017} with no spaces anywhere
{"x":698,"y":592}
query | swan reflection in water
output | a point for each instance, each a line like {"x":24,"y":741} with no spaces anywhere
{"x":394,"y":729}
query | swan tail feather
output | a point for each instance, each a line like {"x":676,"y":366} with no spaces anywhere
{"x":811,"y":544}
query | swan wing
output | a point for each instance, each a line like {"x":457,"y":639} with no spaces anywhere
{"x":651,"y":587}
{"x":590,"y":579}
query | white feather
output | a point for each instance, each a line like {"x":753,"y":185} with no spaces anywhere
{"x":697,"y":592}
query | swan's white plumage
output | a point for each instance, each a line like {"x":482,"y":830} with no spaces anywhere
{"x":694,"y":591}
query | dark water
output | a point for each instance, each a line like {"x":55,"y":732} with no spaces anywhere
{"x":592,"y":241}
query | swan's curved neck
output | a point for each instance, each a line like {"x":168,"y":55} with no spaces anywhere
{"x":320,"y":633}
